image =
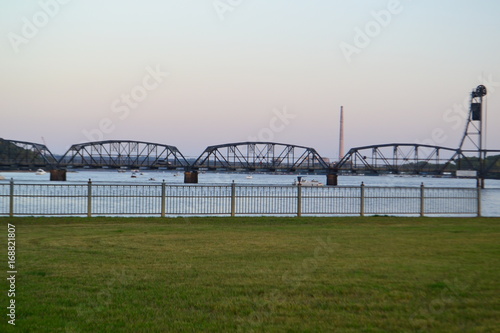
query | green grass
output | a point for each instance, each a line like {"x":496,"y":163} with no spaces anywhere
{"x":373,"y":274}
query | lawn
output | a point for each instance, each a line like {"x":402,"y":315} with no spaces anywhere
{"x":372,"y":274}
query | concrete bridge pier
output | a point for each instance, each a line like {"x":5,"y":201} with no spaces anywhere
{"x":191,"y":177}
{"x":58,"y":175}
{"x":332,"y":178}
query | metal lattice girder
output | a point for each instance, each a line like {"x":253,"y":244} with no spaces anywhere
{"x":125,"y":153}
{"x":260,"y":156}
{"x":474,"y":127}
{"x":402,"y":158}
{"x":25,"y":154}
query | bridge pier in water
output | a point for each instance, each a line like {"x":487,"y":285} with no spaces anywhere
{"x":332,"y":179}
{"x":58,"y":175}
{"x":332,"y":176}
{"x":191,"y":177}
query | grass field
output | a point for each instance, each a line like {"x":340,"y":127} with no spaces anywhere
{"x":373,"y":274}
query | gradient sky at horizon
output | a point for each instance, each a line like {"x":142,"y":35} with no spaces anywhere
{"x":228,"y":78}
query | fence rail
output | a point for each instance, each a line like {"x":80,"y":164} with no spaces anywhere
{"x":177,"y":200}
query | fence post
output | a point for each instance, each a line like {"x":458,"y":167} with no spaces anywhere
{"x":11,"y":198}
{"x":233,"y":199}
{"x":422,"y":200}
{"x":89,"y":198}
{"x":479,"y":213}
{"x":299,"y":199}
{"x":163,"y":192}
{"x":362,"y":200}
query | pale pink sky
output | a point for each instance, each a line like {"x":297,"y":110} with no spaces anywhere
{"x":232,"y":71}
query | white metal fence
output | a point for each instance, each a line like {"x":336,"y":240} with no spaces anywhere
{"x":175,"y":200}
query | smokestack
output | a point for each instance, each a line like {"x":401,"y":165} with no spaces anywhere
{"x":341,"y":136}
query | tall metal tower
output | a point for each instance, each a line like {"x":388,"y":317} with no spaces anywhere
{"x":341,"y":134}
{"x":473,"y":133}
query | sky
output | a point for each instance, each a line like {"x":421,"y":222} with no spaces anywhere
{"x":195,"y":73}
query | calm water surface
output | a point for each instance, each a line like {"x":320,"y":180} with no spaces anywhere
{"x":490,"y":195}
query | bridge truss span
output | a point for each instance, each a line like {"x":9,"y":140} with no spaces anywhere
{"x":260,"y":156}
{"x":402,"y":158}
{"x":125,"y":153}
{"x":24,"y":155}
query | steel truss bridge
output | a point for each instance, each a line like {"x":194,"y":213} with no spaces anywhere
{"x":262,"y":156}
{"x":241,"y":156}
{"x":123,"y":154}
{"x":426,"y":159}
{"x":22,"y":154}
{"x":416,"y":159}
{"x":393,"y":158}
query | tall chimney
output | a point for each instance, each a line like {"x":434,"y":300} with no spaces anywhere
{"x":341,"y":136}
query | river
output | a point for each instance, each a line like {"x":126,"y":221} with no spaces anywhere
{"x":490,"y":195}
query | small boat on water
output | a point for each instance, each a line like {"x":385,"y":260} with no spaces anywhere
{"x":133,"y":176}
{"x":304,"y":182}
{"x":40,"y":172}
{"x":249,"y":177}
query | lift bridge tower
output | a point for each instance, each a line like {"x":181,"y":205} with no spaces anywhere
{"x":474,"y":130}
